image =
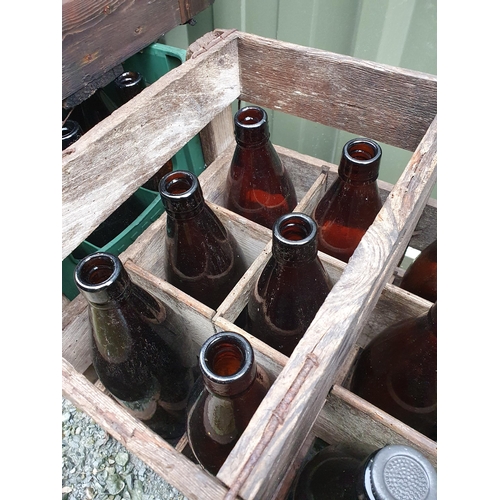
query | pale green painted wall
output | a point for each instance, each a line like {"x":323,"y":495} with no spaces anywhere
{"x":398,"y":32}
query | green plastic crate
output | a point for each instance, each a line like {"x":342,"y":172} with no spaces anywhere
{"x":153,"y":62}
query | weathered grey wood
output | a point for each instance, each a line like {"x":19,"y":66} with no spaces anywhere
{"x":280,"y":425}
{"x":388,"y":104}
{"x":346,"y":418}
{"x":169,"y":464}
{"x":107,"y":165}
{"x":97,"y":35}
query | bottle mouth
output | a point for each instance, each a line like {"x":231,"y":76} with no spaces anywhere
{"x":97,"y":277}
{"x":295,"y":229}
{"x":362,"y":151}
{"x":128,"y":79}
{"x":70,"y":129}
{"x":178,"y":184}
{"x":251,"y":117}
{"x":227,"y":363}
{"x":96,"y":270}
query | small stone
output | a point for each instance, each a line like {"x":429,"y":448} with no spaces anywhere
{"x":115,"y":484}
{"x":67,"y":489}
{"x":121,"y":458}
{"x":89,"y":493}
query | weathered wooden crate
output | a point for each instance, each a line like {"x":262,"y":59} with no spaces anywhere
{"x":308,"y":397}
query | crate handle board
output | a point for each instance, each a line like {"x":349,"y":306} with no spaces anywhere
{"x":283,"y":420}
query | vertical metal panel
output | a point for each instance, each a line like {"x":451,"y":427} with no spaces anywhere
{"x":397,"y":32}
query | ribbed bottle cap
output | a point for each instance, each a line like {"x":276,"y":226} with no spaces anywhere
{"x":227,"y":363}
{"x":180,"y":192}
{"x":399,"y":472}
{"x":251,"y":125}
{"x":101,"y":277}
{"x":295,"y":238}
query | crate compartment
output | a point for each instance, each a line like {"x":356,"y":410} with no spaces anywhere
{"x":388,"y":104}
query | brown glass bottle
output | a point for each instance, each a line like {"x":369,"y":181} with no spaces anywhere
{"x":202,"y":258}
{"x":394,"y":472}
{"x":145,"y":365}
{"x":71,"y":132}
{"x":397,"y":372}
{"x":229,"y":391}
{"x":352,"y":202}
{"x":90,"y":112}
{"x":421,"y":276}
{"x":258,"y":186}
{"x":292,"y":286}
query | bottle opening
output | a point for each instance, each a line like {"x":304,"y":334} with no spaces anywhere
{"x":225,"y":359}
{"x":295,"y":229}
{"x":96,"y":270}
{"x":177,"y":183}
{"x":128,"y":79}
{"x":362,"y":150}
{"x":69,"y":128}
{"x":250,"y":116}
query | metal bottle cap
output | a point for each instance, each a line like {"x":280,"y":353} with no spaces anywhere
{"x":399,"y":472}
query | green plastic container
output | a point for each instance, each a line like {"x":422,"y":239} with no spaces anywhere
{"x":153,"y":62}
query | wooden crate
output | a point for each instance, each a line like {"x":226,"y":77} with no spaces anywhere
{"x":308,"y":397}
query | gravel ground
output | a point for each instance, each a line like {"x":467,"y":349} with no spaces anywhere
{"x":97,"y":467}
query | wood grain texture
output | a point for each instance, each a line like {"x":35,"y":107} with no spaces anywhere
{"x":109,"y":163}
{"x":387,"y":103}
{"x":169,"y":464}
{"x":98,"y":35}
{"x":281,"y":424}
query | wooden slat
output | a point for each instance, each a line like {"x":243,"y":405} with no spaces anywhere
{"x":281,"y":423}
{"x":387,"y":103}
{"x":145,"y":444}
{"x":97,"y":35}
{"x":109,"y":163}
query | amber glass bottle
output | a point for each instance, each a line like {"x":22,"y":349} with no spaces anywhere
{"x":394,"y":472}
{"x":71,"y":132}
{"x":145,"y":365}
{"x":91,"y":111}
{"x":421,"y":276}
{"x":397,"y":372}
{"x":202,"y":258}
{"x":231,"y":387}
{"x":352,"y":202}
{"x":292,"y":286}
{"x":258,"y":186}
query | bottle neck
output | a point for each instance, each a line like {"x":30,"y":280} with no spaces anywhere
{"x":251,"y":127}
{"x":295,"y":238}
{"x":102,"y":279}
{"x":181,"y":194}
{"x":227,"y":364}
{"x":360,"y":161}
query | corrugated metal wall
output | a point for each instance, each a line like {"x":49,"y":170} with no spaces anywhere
{"x":397,"y":32}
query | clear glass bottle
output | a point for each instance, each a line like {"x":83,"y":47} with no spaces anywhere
{"x":352,"y":202}
{"x":229,"y":391}
{"x":202,"y":258}
{"x":394,"y":472}
{"x":142,"y":362}
{"x":397,"y":372}
{"x":292,"y":286}
{"x":421,"y":276}
{"x":258,"y":185}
